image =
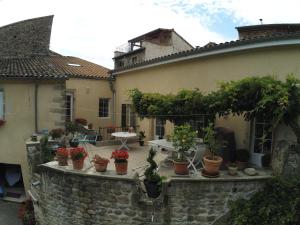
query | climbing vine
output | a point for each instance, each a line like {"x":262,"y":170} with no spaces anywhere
{"x":264,"y":97}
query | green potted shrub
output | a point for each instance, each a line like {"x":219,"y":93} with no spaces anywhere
{"x":56,"y":133}
{"x":211,"y":161}
{"x":152,"y":179}
{"x":184,"y":138}
{"x":141,"y":137}
{"x":242,"y":158}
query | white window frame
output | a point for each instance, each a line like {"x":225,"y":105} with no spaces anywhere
{"x":255,"y":157}
{"x":108,"y":107}
{"x":71,"y":105}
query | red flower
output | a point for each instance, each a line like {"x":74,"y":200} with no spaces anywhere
{"x":78,"y":153}
{"x":120,"y":155}
{"x":63,"y":152}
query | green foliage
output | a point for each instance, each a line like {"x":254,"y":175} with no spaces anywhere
{"x":211,"y":141}
{"x":141,"y":135}
{"x":183,"y":139}
{"x":47,"y":155}
{"x":151,"y":172}
{"x":252,"y":97}
{"x":71,"y":127}
{"x":179,"y":108}
{"x":278,"y":203}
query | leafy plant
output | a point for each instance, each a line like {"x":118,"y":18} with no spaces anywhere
{"x":151,"y":171}
{"x":56,"y":133}
{"x":141,"y":135}
{"x":211,"y":141}
{"x":71,"y":127}
{"x":100,"y":160}
{"x":46,"y":150}
{"x":78,"y":153}
{"x":183,"y":139}
{"x":119,"y":156}
{"x":278,"y":203}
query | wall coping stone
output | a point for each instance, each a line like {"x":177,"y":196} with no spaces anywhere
{"x":263,"y":174}
{"x":89,"y":172}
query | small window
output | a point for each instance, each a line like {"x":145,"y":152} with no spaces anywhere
{"x":1,"y":104}
{"x":69,"y":107}
{"x":103,"y":107}
{"x":160,"y":128}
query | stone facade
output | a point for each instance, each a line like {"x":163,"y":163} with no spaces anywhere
{"x":26,"y":38}
{"x":68,"y":197}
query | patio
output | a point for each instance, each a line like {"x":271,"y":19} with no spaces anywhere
{"x":137,"y":162}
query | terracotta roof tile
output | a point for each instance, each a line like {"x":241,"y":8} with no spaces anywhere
{"x":54,"y":66}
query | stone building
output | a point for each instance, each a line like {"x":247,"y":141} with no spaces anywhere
{"x":151,"y":45}
{"x":35,"y":83}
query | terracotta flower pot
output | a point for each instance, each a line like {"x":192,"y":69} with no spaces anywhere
{"x":212,"y":166}
{"x":121,"y":167}
{"x":101,"y":167}
{"x":62,"y":161}
{"x":181,"y":168}
{"x":78,"y":164}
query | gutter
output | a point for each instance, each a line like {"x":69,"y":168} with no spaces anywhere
{"x":36,"y":86}
{"x":113,"y":90}
{"x":213,"y":52}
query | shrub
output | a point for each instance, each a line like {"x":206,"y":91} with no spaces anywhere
{"x":56,"y":133}
{"x":81,"y":121}
{"x":278,"y":203}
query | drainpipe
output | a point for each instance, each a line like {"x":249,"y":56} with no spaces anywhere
{"x":111,"y":80}
{"x":36,"y":106}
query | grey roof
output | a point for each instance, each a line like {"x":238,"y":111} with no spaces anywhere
{"x":211,"y":47}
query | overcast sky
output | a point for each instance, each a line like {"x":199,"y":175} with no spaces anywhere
{"x":92,"y":29}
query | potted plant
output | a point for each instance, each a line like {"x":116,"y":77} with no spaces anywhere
{"x":81,"y":121}
{"x":232,"y":169}
{"x":183,"y":139}
{"x":141,"y":137}
{"x":211,"y":161}
{"x":100,"y":163}
{"x":121,"y":162}
{"x":62,"y":155}
{"x":152,"y":179}
{"x":56,"y":133}
{"x":78,"y":155}
{"x":242,"y":158}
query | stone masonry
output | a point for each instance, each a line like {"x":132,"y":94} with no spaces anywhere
{"x":68,"y":197}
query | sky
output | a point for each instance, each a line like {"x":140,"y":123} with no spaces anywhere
{"x":93,"y":29}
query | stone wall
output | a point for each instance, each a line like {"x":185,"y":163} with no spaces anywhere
{"x":68,"y":197}
{"x":26,"y":38}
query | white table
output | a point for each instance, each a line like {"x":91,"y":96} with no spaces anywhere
{"x":168,"y":145}
{"x":123,"y":138}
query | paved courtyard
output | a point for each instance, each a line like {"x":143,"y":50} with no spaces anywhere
{"x":9,"y":213}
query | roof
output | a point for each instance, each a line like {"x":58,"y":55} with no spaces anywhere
{"x":269,"y":26}
{"x":78,"y":68}
{"x":143,"y":36}
{"x":130,"y":52}
{"x":29,"y":68}
{"x":209,"y":49}
{"x":50,"y":67}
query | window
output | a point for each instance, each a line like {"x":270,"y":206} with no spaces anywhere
{"x":199,"y":123}
{"x":69,"y":107}
{"x":128,"y":116}
{"x":1,"y":104}
{"x":160,"y":128}
{"x":103,"y":107}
